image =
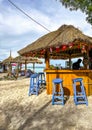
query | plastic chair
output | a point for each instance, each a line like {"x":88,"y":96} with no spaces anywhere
{"x":79,"y":96}
{"x":57,"y":96}
{"x":34,"y":84}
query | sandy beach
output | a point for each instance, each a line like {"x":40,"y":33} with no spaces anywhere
{"x":18,"y":111}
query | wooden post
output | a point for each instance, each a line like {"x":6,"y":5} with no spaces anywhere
{"x":33,"y":67}
{"x":25,"y":65}
{"x":69,"y":62}
{"x":88,"y":56}
{"x":9,"y":69}
{"x":20,"y":66}
{"x":47,"y":59}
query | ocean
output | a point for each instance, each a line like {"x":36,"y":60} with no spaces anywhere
{"x":36,"y":69}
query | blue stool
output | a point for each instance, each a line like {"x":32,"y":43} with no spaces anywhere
{"x":57,"y":96}
{"x":79,"y":96}
{"x":42,"y":78}
{"x":34,"y":84}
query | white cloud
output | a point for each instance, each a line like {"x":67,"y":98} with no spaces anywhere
{"x":16,"y":23}
{"x":17,"y":30}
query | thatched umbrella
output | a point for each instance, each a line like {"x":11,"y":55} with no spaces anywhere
{"x":26,"y":60}
{"x":65,"y":43}
{"x":8,"y":62}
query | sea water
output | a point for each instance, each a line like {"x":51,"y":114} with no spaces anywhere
{"x":37,"y":69}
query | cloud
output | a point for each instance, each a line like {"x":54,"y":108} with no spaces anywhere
{"x":16,"y":23}
{"x":17,"y":30}
{"x":1,"y":1}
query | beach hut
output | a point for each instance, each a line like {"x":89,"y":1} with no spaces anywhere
{"x":65,"y":43}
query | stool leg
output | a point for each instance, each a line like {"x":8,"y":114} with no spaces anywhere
{"x":62,"y":94}
{"x":52,"y":99}
{"x":75,"y":94}
{"x":37,"y":88}
{"x":30,"y":87}
{"x":53,"y":94}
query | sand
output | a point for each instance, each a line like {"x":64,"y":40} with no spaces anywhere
{"x":18,"y":111}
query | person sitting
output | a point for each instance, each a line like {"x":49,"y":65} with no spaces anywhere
{"x":76,"y":65}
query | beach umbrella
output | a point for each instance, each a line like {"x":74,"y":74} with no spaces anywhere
{"x":13,"y":64}
{"x":65,"y":43}
{"x":7,"y":62}
{"x":26,"y":60}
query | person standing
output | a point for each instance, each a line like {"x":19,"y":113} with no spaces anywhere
{"x":76,"y":65}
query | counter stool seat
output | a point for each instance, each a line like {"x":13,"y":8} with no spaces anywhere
{"x":57,"y":95}
{"x":79,"y":96}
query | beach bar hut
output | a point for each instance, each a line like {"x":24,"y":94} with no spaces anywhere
{"x":65,"y":43}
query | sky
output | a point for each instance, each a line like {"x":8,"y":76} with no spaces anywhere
{"x":17,"y":30}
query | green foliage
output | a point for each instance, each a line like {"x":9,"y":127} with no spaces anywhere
{"x":84,"y":5}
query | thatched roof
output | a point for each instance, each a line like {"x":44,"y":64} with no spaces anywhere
{"x":65,"y":35}
{"x":23,"y":60}
{"x":8,"y":60}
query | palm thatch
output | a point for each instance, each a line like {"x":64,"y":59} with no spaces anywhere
{"x":23,"y":60}
{"x":65,"y":35}
{"x":8,"y":60}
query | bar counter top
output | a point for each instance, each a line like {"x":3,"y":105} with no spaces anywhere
{"x":67,"y":70}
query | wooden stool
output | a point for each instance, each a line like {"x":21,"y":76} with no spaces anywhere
{"x":34,"y":84}
{"x":42,"y":78}
{"x":57,"y":96}
{"x":79,"y":96}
